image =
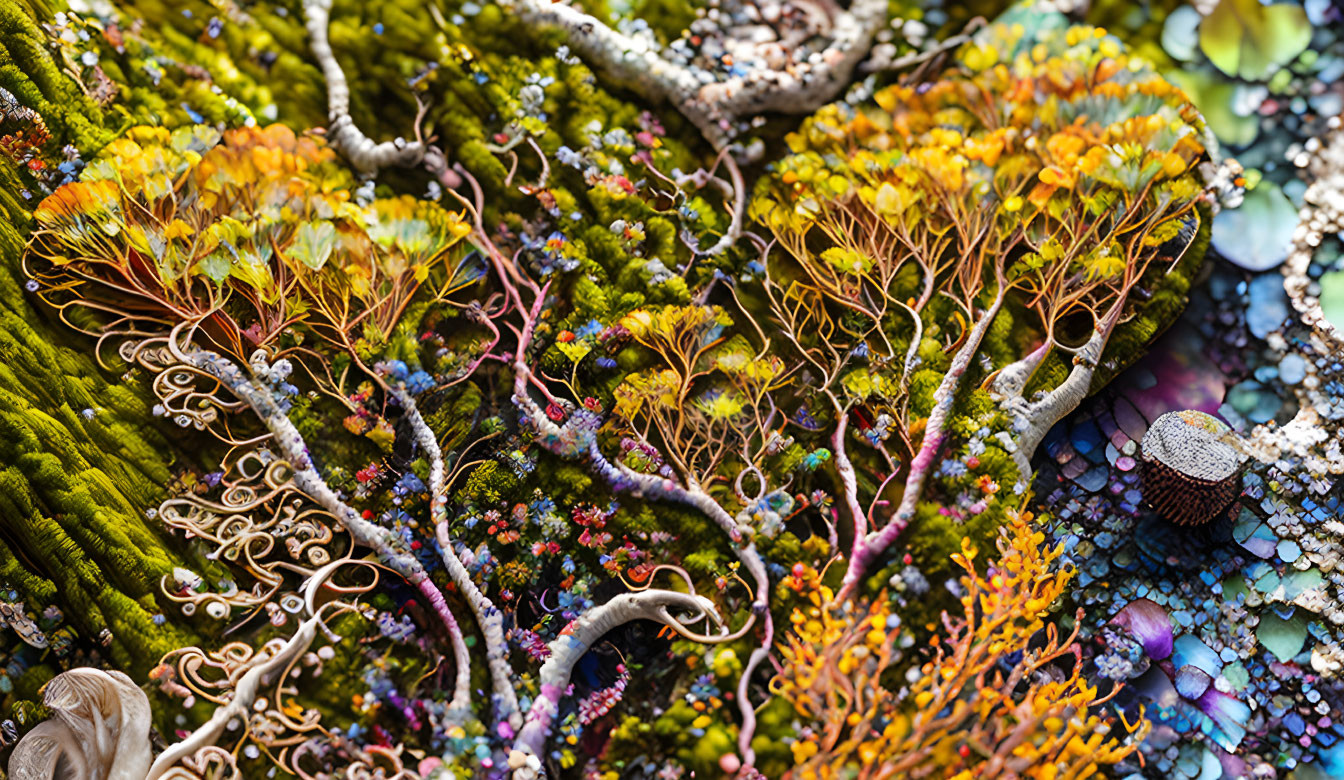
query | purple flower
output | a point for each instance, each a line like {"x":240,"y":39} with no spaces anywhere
{"x":1149,"y":624}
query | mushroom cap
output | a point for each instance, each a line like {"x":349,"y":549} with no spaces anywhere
{"x":1190,"y":467}
{"x":1194,"y":444}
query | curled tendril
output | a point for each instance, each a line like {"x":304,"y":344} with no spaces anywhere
{"x":261,"y":522}
{"x":188,"y":395}
{"x":321,"y":579}
{"x":176,"y":389}
{"x":282,"y":729}
{"x":739,"y":486}
{"x":211,"y":761}
{"x":378,"y":762}
{"x":374,"y":761}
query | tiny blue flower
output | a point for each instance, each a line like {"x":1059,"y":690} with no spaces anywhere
{"x":420,"y":382}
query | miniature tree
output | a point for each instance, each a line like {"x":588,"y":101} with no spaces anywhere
{"x":195,"y":240}
{"x":1039,"y":192}
{"x":654,"y":409}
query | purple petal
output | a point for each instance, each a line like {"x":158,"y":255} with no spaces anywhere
{"x":1227,"y":713}
{"x":1148,"y":623}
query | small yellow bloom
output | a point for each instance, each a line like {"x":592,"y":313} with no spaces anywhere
{"x":803,"y":750}
{"x":178,"y":229}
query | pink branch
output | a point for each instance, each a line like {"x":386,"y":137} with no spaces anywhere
{"x":577,"y":438}
{"x":874,"y":544}
{"x":849,"y":482}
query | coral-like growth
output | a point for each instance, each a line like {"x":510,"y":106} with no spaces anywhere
{"x":1002,"y":696}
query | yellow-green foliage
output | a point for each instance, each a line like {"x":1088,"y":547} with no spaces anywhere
{"x":247,"y":233}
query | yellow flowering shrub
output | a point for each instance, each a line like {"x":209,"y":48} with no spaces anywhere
{"x":705,"y":401}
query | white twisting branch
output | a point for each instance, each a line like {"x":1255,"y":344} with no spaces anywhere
{"x":777,"y":72}
{"x":488,"y":616}
{"x":365,"y":155}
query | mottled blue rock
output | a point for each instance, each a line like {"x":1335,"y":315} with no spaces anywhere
{"x":1258,"y":234}
{"x":1269,"y":305}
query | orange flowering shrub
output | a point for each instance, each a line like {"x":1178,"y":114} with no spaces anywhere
{"x":1044,"y":162}
{"x":967,"y":715}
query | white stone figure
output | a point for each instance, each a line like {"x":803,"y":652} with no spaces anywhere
{"x":99,"y":731}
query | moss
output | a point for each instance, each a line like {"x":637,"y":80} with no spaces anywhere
{"x":704,"y":562}
{"x":36,"y":80}
{"x":785,"y":549}
{"x":487,"y":484}
{"x":923,"y":383}
{"x":1167,"y":287}
{"x":703,"y":754}
{"x":83,"y":457}
{"x":774,"y":724}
